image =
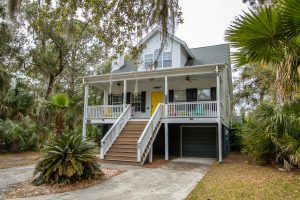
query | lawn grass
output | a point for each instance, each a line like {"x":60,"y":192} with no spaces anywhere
{"x":237,"y":179}
{"x":8,"y":160}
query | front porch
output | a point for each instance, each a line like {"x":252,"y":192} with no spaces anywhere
{"x":189,"y":95}
{"x":193,"y":112}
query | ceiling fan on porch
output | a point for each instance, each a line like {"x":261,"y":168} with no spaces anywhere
{"x":189,"y":79}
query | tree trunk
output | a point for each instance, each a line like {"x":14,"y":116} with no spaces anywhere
{"x":50,"y":86}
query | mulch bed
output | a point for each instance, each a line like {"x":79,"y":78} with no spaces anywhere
{"x":158,"y":161}
{"x":26,"y":189}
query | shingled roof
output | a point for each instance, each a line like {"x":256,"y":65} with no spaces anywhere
{"x":202,"y":56}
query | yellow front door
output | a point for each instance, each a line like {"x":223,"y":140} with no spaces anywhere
{"x":156,"y":98}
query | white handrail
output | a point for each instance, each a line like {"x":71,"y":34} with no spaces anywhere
{"x":192,"y":109}
{"x":104,"y":111}
{"x":148,"y":132}
{"x":114,"y":131}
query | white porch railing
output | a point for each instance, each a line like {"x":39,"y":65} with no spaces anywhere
{"x":148,"y":132}
{"x":192,"y":109}
{"x":114,"y":131}
{"x":104,"y":111}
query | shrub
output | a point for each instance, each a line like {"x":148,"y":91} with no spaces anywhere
{"x":21,"y":136}
{"x":67,"y":159}
{"x":272,"y":132}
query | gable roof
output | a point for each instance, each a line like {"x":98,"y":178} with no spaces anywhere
{"x":202,"y":56}
{"x":181,"y":42}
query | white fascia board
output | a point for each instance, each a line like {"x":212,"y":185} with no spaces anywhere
{"x":159,"y":73}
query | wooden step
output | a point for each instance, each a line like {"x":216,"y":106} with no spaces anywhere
{"x":122,"y":150}
{"x":131,"y":133}
{"x":124,"y":154}
{"x":130,"y":137}
{"x":137,"y":123}
{"x":121,"y":158}
{"x":123,"y":141}
{"x":121,"y":162}
{"x":125,"y":146}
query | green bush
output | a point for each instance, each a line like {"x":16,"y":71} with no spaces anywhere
{"x":67,"y":158}
{"x":21,"y":136}
{"x":272,"y":132}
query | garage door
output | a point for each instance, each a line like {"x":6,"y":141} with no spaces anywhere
{"x":199,"y":142}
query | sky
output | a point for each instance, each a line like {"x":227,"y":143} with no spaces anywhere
{"x":205,"y":21}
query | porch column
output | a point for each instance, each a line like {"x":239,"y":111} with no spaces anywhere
{"x":105,"y":102}
{"x":85,"y":104}
{"x":166,"y":96}
{"x":219,"y":116}
{"x":151,"y":154}
{"x":166,"y":142}
{"x":124,"y":95}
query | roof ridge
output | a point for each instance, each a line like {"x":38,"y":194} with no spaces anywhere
{"x":227,"y":44}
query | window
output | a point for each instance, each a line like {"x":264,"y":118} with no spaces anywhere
{"x":159,"y":59}
{"x":136,"y":102}
{"x":148,"y":60}
{"x":203,"y":95}
{"x":167,"y":59}
{"x":179,"y":96}
{"x":117,"y":99}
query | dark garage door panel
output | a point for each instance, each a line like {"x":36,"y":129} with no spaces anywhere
{"x":199,"y":142}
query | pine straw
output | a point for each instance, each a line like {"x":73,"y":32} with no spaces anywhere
{"x":26,"y":189}
{"x":237,"y":178}
{"x":8,"y":160}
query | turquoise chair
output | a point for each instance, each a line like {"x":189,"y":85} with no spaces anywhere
{"x":198,"y":110}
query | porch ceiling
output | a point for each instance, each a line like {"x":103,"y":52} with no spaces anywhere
{"x":157,"y":74}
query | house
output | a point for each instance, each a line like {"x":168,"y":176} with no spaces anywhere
{"x":182,"y":107}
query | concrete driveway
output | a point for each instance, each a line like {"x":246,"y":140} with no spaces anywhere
{"x":14,"y":175}
{"x":174,"y":180}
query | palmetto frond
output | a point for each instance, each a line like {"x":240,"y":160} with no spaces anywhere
{"x":268,"y":37}
{"x":273,"y":130}
{"x":257,"y":35}
{"x":68,"y":158}
{"x":59,"y":100}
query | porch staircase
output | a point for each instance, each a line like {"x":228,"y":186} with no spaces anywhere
{"x":124,"y":148}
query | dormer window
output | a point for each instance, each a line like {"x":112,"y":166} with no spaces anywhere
{"x":167,"y":59}
{"x":163,"y":60}
{"x":148,"y":60}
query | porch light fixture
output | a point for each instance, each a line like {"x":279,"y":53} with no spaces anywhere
{"x":118,"y":83}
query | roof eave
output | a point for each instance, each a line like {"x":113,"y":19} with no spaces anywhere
{"x":179,"y":71}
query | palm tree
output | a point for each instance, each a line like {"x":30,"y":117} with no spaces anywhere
{"x":268,"y":37}
{"x":60,"y":102}
{"x":272,"y":131}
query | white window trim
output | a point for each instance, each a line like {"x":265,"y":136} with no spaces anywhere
{"x":139,"y":102}
{"x":162,"y":59}
{"x":204,"y":89}
{"x":112,"y":100}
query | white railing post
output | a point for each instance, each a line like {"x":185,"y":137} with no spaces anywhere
{"x":124,"y":94}
{"x":85,"y":105}
{"x":166,"y":97}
